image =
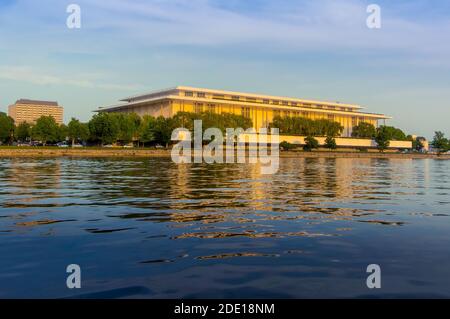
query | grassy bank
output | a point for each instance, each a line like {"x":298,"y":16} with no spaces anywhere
{"x":151,"y":152}
{"x":81,"y":152}
{"x":350,"y":154}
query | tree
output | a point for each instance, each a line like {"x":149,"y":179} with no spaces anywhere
{"x":310,"y":144}
{"x":6,"y":128}
{"x":23,"y":132}
{"x":63,"y":132}
{"x":286,"y":146}
{"x":364,"y":130}
{"x":395,"y":134}
{"x":104,"y":128}
{"x":330,"y":142}
{"x":417,"y":143}
{"x":440,"y":143}
{"x":128,"y":126}
{"x":383,"y":138}
{"x":211,"y":119}
{"x":306,"y":127}
{"x":327,"y":128}
{"x":147,"y":129}
{"x":163,"y":128}
{"x":45,"y":130}
{"x":234,"y":121}
{"x":77,"y":131}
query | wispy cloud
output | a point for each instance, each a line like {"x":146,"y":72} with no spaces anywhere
{"x":299,"y":26}
{"x":310,"y":48}
{"x":39,"y":77}
{"x":285,"y":25}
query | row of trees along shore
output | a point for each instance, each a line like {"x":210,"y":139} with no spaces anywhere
{"x":383,"y":134}
{"x":125,"y":128}
{"x":112,"y":128}
{"x":330,"y":129}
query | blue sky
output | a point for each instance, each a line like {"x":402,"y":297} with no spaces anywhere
{"x":315,"y":49}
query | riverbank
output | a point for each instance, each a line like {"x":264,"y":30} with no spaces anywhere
{"x":82,"y":152}
{"x":119,"y":152}
{"x":340,"y":154}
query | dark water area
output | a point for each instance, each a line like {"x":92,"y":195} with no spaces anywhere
{"x":148,"y":228}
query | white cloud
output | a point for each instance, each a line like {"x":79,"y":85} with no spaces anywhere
{"x":299,"y":26}
{"x":291,"y":26}
{"x":34,"y":76}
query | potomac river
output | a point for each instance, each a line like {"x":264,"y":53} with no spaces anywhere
{"x":148,"y":228}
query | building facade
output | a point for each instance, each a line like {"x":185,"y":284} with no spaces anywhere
{"x":30,"y":110}
{"x":261,"y":109}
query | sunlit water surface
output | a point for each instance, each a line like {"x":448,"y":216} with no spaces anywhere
{"x":148,"y":228}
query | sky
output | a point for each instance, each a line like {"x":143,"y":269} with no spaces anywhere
{"x":312,"y":49}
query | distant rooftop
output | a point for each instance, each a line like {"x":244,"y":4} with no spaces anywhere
{"x":36,"y":102}
{"x":231,"y":93}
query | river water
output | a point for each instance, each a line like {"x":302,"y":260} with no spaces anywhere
{"x":148,"y":228}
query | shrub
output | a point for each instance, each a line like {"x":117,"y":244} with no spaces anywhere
{"x":287,"y":146}
{"x":310,"y":144}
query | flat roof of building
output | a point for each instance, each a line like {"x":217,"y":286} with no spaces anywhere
{"x":36,"y":102}
{"x":234,"y":93}
{"x":300,"y":104}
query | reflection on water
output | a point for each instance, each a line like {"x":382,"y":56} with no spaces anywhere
{"x":151,"y":228}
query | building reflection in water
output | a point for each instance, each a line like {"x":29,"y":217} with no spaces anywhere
{"x":211,"y":201}
{"x":31,"y":181}
{"x":32,"y":187}
{"x":182,"y":229}
{"x":305,"y":188}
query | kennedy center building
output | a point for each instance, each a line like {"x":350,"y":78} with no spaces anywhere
{"x":261,"y":109}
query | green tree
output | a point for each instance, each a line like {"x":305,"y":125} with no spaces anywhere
{"x":63,"y":132}
{"x":417,"y":143}
{"x":6,"y":128}
{"x":286,"y":146}
{"x":211,"y":119}
{"x":306,"y":127}
{"x":327,"y":128}
{"x":23,"y":132}
{"x":383,"y":138}
{"x":104,"y":128}
{"x":440,"y":143}
{"x":395,"y":134}
{"x":147,"y":129}
{"x":364,"y":130}
{"x":128,"y":126}
{"x":45,"y":130}
{"x":310,"y":144}
{"x":77,"y":131}
{"x":236,"y":121}
{"x":163,"y":128}
{"x":186,"y":119}
{"x":330,"y":142}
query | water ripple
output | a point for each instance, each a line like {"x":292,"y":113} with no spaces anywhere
{"x":316,"y":223}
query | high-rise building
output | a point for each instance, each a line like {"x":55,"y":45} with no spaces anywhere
{"x":261,"y":109}
{"x":30,"y":110}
